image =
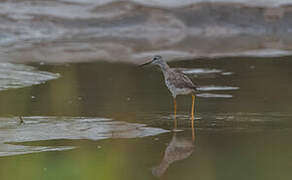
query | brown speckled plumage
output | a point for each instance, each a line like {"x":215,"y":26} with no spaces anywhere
{"x":177,"y":82}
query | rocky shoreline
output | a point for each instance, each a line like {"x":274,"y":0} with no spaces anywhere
{"x":126,"y":31}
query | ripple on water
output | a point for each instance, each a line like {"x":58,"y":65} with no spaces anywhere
{"x":230,"y":122}
{"x":56,"y":128}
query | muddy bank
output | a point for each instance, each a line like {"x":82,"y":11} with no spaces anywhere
{"x":77,"y":31}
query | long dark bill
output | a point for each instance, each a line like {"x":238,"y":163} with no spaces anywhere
{"x":145,"y":64}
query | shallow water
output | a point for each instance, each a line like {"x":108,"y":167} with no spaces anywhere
{"x":114,"y":121}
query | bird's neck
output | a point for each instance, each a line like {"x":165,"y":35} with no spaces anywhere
{"x":164,"y":67}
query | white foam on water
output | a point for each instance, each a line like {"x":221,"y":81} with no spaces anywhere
{"x":18,"y":76}
{"x":217,"y":88}
{"x":60,"y":128}
{"x":226,"y":73}
{"x":211,"y":95}
{"x":201,"y":71}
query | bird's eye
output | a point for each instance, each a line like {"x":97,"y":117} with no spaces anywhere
{"x":155,"y":58}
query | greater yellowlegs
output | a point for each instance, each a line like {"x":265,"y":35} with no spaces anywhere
{"x":177,"y":82}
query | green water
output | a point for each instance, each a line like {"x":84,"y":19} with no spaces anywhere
{"x":242,"y":133}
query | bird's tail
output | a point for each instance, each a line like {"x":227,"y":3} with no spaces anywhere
{"x":196,"y":89}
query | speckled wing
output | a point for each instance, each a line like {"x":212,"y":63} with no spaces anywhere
{"x":182,"y":81}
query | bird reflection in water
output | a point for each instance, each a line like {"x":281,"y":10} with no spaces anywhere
{"x":178,"y":149}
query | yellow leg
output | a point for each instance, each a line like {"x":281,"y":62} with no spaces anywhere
{"x":193,"y":105}
{"x":174,"y":103}
{"x":193,"y":117}
{"x":193,"y":131}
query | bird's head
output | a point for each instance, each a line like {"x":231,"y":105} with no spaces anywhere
{"x":156,"y":60}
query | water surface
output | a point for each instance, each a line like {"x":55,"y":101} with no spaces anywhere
{"x":114,"y":121}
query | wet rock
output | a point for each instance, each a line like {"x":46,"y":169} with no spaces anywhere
{"x":132,"y":31}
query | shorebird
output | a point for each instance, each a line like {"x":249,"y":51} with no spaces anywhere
{"x":177,"y":82}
